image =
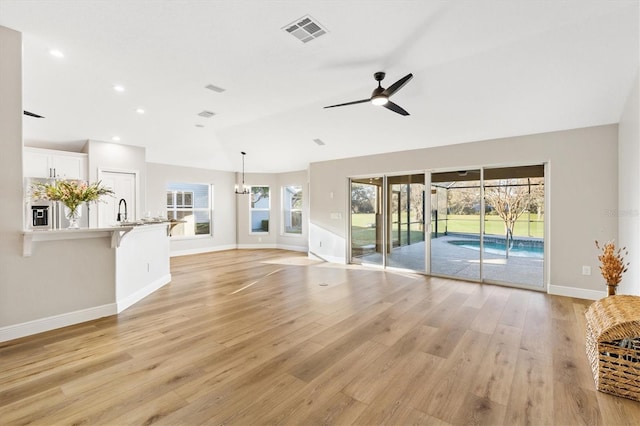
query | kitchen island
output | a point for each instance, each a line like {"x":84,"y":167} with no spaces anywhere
{"x":93,"y":272}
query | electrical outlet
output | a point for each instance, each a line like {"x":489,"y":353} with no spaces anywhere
{"x":586,"y":270}
{"x":259,"y":239}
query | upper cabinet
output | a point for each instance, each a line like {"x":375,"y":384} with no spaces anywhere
{"x":46,"y":163}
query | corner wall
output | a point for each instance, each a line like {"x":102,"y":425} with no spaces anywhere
{"x":629,"y":188}
{"x":61,"y":283}
{"x":583,"y":194}
{"x":275,"y":238}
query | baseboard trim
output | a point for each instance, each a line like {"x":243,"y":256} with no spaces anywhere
{"x":142,"y":293}
{"x":201,"y":250}
{"x":56,"y":321}
{"x":178,"y":253}
{"x":578,"y":293}
{"x":256,"y":246}
{"x":302,"y":249}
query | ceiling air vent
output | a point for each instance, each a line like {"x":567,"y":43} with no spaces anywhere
{"x":214,"y":88}
{"x":206,"y":114}
{"x":319,"y":142}
{"x":305,"y":29}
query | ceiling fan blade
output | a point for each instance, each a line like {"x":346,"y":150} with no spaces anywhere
{"x":31,"y":114}
{"x":395,"y":108}
{"x":398,"y":85}
{"x":361,"y":101}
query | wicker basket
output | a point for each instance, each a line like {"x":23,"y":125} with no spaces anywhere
{"x":613,"y":345}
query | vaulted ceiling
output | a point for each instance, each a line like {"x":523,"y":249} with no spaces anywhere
{"x":482,"y":69}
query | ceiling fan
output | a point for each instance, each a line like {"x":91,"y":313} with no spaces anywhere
{"x":380,"y":95}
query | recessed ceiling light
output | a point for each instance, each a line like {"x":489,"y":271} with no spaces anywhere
{"x":214,"y":88}
{"x":118,"y":88}
{"x":57,"y":53}
{"x":115,"y":138}
{"x":207,"y":114}
{"x":140,"y":111}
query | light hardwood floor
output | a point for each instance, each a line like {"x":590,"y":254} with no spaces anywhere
{"x":270,"y":337}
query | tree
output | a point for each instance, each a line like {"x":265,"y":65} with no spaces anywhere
{"x":417,"y":203}
{"x":258,"y":193}
{"x":363,"y":198}
{"x":509,"y":198}
{"x":463,"y":200}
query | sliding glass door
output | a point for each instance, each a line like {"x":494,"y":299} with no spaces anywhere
{"x":387,"y":221}
{"x":367,"y":224}
{"x":456,"y":206}
{"x":405,"y":241}
{"x":488,"y":225}
{"x":513,"y":249}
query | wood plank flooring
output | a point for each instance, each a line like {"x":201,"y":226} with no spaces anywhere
{"x":270,"y":337}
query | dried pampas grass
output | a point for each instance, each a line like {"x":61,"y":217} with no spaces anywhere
{"x":612,"y":264}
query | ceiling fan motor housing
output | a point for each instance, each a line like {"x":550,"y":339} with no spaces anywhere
{"x":379,"y":76}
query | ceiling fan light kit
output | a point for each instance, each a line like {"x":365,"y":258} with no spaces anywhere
{"x":380,"y":96}
{"x":379,"y":100}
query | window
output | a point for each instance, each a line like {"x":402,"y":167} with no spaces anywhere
{"x":292,"y":209}
{"x":190,"y":203}
{"x":260,"y":207}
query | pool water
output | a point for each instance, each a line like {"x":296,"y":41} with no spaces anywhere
{"x":518,"y":249}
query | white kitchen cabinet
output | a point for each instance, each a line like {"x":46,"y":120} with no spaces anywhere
{"x":47,"y":163}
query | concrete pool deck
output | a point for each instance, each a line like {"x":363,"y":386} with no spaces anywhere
{"x":461,"y":262}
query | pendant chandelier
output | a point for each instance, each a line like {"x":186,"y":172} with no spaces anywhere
{"x":245,"y":188}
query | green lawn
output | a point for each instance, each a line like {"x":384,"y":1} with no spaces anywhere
{"x":493,"y":225}
{"x":363,"y":227}
{"x":363,"y":231}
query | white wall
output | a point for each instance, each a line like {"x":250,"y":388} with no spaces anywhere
{"x":583,"y":173}
{"x":629,"y":188}
{"x":224,"y":207}
{"x":61,"y":278}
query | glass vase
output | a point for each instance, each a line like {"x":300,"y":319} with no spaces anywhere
{"x":73,"y":216}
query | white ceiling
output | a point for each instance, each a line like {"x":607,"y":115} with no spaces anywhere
{"x":482,"y":69}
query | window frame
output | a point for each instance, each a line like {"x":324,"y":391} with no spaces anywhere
{"x":175,"y":209}
{"x":291,"y":210}
{"x":259,"y":209}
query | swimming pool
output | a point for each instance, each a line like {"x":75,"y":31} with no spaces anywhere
{"x":519,"y":248}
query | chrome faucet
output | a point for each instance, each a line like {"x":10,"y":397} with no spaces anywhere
{"x":119,"y":217}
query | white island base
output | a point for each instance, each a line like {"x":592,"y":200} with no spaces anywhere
{"x":114,"y":268}
{"x":142,"y":264}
